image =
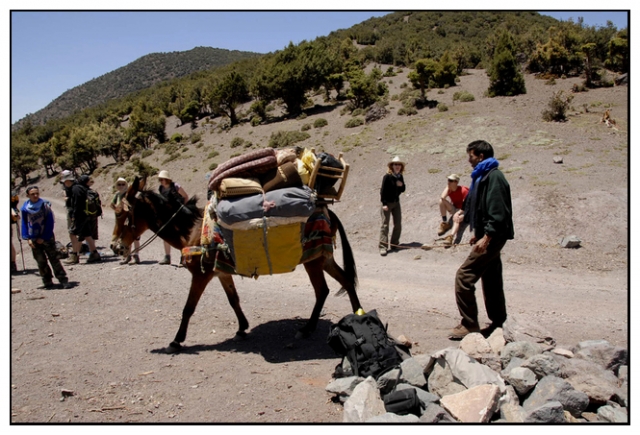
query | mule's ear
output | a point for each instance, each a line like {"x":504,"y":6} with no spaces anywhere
{"x":143,"y":181}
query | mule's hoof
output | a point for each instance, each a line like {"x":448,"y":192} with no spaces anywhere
{"x":173,"y":348}
{"x":240,"y":335}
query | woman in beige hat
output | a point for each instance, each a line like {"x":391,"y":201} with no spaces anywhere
{"x":173,"y":192}
{"x":392,"y":186}
{"x":116,"y":205}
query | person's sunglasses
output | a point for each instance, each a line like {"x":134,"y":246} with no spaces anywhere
{"x":121,"y":184}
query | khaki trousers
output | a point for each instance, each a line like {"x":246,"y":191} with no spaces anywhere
{"x":394,"y":211}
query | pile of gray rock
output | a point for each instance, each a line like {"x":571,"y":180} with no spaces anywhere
{"x":516,"y":375}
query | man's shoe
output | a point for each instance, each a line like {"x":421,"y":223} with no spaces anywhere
{"x":14,"y":268}
{"x":73,"y":259}
{"x":448,"y":241}
{"x":461,"y":331}
{"x":46,"y":286}
{"x":136,"y":259}
{"x":383,"y":252}
{"x":94,"y":257}
{"x":444,"y":227}
{"x":165,"y":260}
{"x":66,"y":285}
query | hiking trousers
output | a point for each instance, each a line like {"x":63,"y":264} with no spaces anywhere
{"x":47,"y":251}
{"x":394,"y":211}
{"x":488,"y":268}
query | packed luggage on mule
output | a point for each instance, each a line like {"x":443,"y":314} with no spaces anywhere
{"x":267,"y":210}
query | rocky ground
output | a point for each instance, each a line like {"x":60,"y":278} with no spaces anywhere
{"x":94,"y":353}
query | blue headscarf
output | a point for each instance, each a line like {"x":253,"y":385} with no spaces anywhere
{"x":479,"y":171}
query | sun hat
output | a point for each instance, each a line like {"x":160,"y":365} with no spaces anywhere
{"x":396,"y":159}
{"x":66,"y":175}
{"x":453,"y":177}
{"x":122,"y":180}
{"x":164,"y":174}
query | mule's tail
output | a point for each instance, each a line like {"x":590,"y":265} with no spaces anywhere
{"x":347,"y":254}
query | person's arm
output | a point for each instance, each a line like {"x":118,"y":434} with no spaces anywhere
{"x":400,"y":184}
{"x":183,"y":194}
{"x":47,"y":231}
{"x":444,"y":194}
{"x":25,"y":226}
{"x":383,"y":191}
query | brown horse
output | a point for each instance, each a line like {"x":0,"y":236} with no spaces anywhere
{"x":180,"y":226}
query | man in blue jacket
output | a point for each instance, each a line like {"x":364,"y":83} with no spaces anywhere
{"x":489,"y":214}
{"x":37,"y":229}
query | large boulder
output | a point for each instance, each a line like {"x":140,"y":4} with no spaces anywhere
{"x":602,"y":352}
{"x":475,"y":405}
{"x":517,"y":328}
{"x":554,"y":389}
{"x":364,"y":403}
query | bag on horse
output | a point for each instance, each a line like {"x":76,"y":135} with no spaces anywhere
{"x":363,"y":341}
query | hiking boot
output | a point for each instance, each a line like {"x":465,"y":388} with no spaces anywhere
{"x":66,"y":285}
{"x":73,"y":259}
{"x":448,"y":241}
{"x":94,"y":257}
{"x":126,"y":260}
{"x":444,"y":227}
{"x":136,"y":259}
{"x":461,"y":331}
{"x":14,"y":268}
{"x":46,"y":286}
{"x":383,"y":252}
{"x":165,"y":260}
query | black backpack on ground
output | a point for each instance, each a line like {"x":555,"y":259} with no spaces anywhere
{"x":363,"y":341}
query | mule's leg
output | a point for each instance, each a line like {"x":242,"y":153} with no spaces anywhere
{"x":232,"y":295}
{"x":316,"y":275}
{"x":336,"y":272}
{"x":199,"y":282}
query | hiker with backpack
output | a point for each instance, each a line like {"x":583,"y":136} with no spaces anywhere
{"x":171,"y":191}
{"x":82,"y":212}
{"x":37,"y":229}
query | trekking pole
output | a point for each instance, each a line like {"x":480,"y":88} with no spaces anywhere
{"x":21,"y":251}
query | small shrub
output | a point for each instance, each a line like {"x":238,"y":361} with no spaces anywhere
{"x":408,"y":111}
{"x":305,"y":127}
{"x":213,"y":154}
{"x":281,"y":139}
{"x":357,"y":112}
{"x":234,"y":155}
{"x":171,"y":158}
{"x":255,"y":121}
{"x":146,"y":153}
{"x":236,"y":142}
{"x":302,"y":116}
{"x":212,"y":166}
{"x":442,"y":107}
{"x":176,"y":138}
{"x":171,"y":149}
{"x":558,"y":106}
{"x":195,"y":137}
{"x":248,"y":144}
{"x":404,"y":85}
{"x":354,"y":122}
{"x":463,"y":96}
{"x":320,"y":122}
{"x":551,"y":81}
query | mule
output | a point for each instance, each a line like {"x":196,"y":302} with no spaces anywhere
{"x":180,"y":226}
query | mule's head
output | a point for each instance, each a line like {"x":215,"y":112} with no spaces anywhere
{"x":130,"y":219}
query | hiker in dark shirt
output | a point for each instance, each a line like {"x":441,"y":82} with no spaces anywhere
{"x":392,"y":186}
{"x":489,"y":212}
{"x":82,"y":226}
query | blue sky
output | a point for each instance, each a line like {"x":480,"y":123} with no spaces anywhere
{"x":52,"y":52}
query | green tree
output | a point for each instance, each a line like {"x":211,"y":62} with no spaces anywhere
{"x":504,"y":75}
{"x":145,"y":124}
{"x":445,"y":73}
{"x":23,"y":158}
{"x":618,"y":53}
{"x":364,"y":90}
{"x":227,"y":94}
{"x":422,"y":74}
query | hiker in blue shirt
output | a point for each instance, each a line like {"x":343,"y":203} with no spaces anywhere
{"x":37,"y":230}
